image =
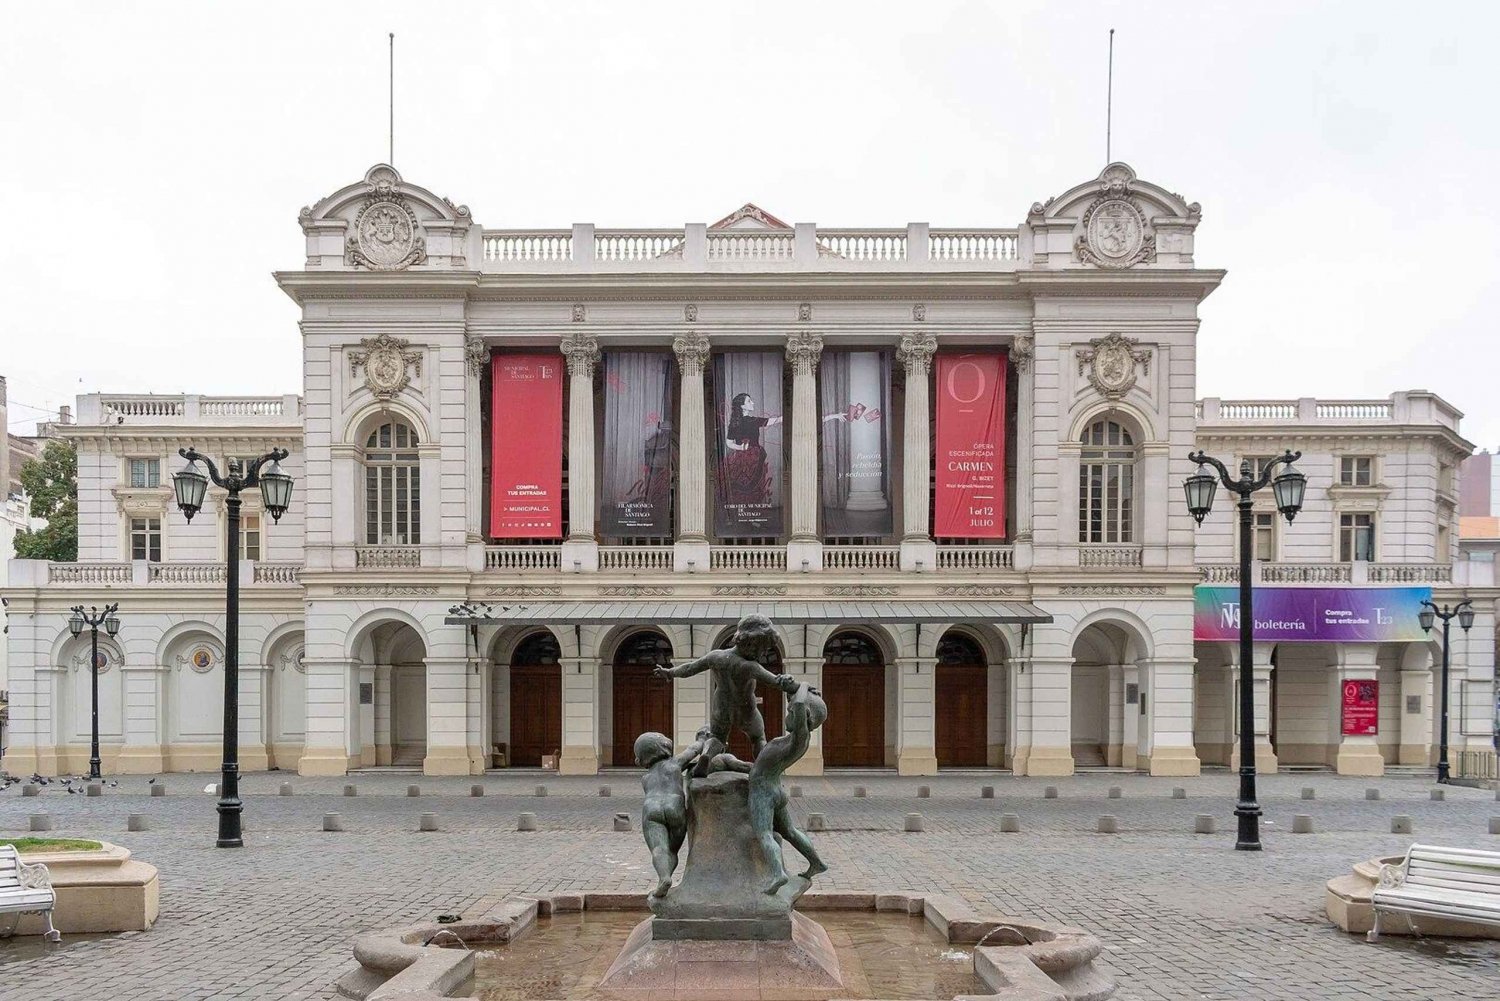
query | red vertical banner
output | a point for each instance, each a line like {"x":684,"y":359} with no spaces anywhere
{"x":1361,"y":707}
{"x":526,"y":419}
{"x":970,"y":462}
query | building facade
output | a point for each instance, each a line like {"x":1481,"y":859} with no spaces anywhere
{"x":532,"y":464}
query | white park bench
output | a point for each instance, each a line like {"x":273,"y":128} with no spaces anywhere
{"x":24,"y":889}
{"x":1455,"y":884}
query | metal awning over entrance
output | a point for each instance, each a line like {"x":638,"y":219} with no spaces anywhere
{"x":786,"y":611}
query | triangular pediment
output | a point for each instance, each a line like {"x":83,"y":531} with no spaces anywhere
{"x":750,"y":216}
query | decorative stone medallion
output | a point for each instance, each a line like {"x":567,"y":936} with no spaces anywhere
{"x":201,"y":659}
{"x":1111,"y":362}
{"x":102,"y":661}
{"x":388,"y":364}
{"x":1115,"y":230}
{"x":385,"y":236}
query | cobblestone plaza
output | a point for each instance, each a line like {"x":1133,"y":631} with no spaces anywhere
{"x":1181,"y":915}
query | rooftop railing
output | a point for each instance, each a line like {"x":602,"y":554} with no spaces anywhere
{"x":1414,"y":407}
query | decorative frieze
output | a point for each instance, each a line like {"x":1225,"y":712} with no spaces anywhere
{"x":523,"y":591}
{"x":861,"y":591}
{"x":1111,"y":590}
{"x":749,"y":590}
{"x":386,"y":590}
{"x":975,"y":591}
{"x":635,"y":591}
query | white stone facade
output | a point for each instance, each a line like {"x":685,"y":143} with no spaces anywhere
{"x":349,"y":654}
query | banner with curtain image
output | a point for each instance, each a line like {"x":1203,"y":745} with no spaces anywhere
{"x":854,"y":397}
{"x":526,"y":418}
{"x":640,"y":444}
{"x":748,"y":437}
{"x":970,"y":454}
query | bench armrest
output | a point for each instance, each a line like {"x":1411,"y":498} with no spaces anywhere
{"x":1391,"y":876}
{"x":35,"y":876}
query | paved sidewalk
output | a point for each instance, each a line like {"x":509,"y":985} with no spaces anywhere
{"x":1182,"y":915}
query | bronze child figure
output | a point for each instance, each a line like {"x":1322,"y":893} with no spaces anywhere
{"x":735,"y":672}
{"x":664,"y":814}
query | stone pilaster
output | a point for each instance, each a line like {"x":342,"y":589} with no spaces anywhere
{"x":692,"y":350}
{"x":581,"y":547}
{"x":142,"y":753}
{"x":365,"y":675}
{"x":382,"y":729}
{"x":802,"y":353}
{"x":808,"y":671}
{"x":1354,"y":755}
{"x":1167,"y":685}
{"x":447,"y":716}
{"x":1266,"y":762}
{"x":473,"y":714}
{"x":915,"y":355}
{"x":916,"y":696}
{"x":476,"y":360}
{"x":1021,"y":352}
{"x":1417,"y":695}
{"x":580,"y":717}
{"x":325,"y":750}
{"x":254,"y":755}
{"x":1051,"y":716}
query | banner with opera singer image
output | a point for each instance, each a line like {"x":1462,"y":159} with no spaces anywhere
{"x":854,"y":397}
{"x":1313,"y":614}
{"x":640,"y":446}
{"x":748,"y":443}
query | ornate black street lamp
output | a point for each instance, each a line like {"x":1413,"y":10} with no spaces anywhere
{"x":1464,"y":612}
{"x":1288,"y":488}
{"x":191,"y":486}
{"x":94,"y":618}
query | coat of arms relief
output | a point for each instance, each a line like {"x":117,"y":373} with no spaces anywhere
{"x":385,"y":236}
{"x":1111,"y":364}
{"x":1116,"y":233}
{"x":388,"y":363}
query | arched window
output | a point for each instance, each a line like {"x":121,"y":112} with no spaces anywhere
{"x":956,"y":648}
{"x":393,"y":487}
{"x":1106,"y":484}
{"x":538,"y":649}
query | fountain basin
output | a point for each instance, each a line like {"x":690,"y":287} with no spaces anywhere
{"x":1011,"y":959}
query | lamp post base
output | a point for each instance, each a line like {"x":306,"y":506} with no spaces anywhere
{"x":1249,"y":836}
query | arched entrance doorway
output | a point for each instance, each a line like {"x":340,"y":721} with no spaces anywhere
{"x":642,"y":702}
{"x":535,"y":700}
{"x":962,"y":699}
{"x":400,"y":646}
{"x":772,"y":702}
{"x":854,"y":688}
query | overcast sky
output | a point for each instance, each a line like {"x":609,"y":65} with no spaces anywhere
{"x":153,"y":159}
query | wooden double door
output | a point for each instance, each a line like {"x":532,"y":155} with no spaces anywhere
{"x":854,"y":736}
{"x":962,"y":709}
{"x":642,"y":703}
{"x":535,"y":713}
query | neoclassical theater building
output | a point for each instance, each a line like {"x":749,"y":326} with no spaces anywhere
{"x":947,"y":461}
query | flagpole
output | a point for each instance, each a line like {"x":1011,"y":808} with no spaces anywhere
{"x":1109,"y":99}
{"x":392,"y":103}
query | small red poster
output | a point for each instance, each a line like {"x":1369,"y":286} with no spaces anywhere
{"x":526,"y":446}
{"x":1361,"y":707}
{"x":970,"y":462}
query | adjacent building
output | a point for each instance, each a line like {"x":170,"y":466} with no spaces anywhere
{"x":532,"y":464}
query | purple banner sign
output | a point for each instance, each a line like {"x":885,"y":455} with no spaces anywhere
{"x":1313,"y":614}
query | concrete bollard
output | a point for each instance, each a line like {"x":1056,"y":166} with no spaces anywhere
{"x":860,"y":792}
{"x":1302,"y":824}
{"x":1372,"y":794}
{"x":39,"y":822}
{"x":136,"y":822}
{"x":622,"y":821}
{"x":413,"y":790}
{"x":924,"y":792}
{"x":1495,"y":825}
{"x":1308,"y":792}
{"x":95,"y":789}
{"x":1010,"y":823}
{"x":815,"y":822}
{"x":1109,"y":824}
{"x":1497,"y":795}
{"x":427,"y":822}
{"x":476,"y":791}
{"x":158,"y":790}
{"x":285,"y":790}
{"x":986,"y":792}
{"x":605,"y":792}
{"x":1401,"y":825}
{"x":31,"y":789}
{"x":1204,"y":823}
{"x":1437,"y":795}
{"x":541,"y":790}
{"x":351,"y":791}
{"x":795,"y":792}
{"x":1179,"y":793}
{"x":1115,"y":792}
{"x":526,"y":822}
{"x":333,"y":822}
{"x":1049,"y":793}
{"x":913,"y":822}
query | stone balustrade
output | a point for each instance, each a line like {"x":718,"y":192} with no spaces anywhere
{"x":388,"y":557}
{"x":142,"y":572}
{"x":635,"y":559}
{"x":747,"y":559}
{"x":1414,"y":407}
{"x":861,"y":558}
{"x":980,"y":559}
{"x":188,"y":409}
{"x":522,"y":559}
{"x":1109,"y":557}
{"x":1331,"y":573}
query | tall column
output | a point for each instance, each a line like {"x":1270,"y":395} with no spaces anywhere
{"x":1114,"y":741}
{"x":1355,"y":754}
{"x":474,"y":713}
{"x":1021,"y":351}
{"x":1018,"y":675}
{"x":690,"y":550}
{"x":1167,"y":685}
{"x":476,"y":360}
{"x":381,"y":735}
{"x":802,"y":352}
{"x":580,"y":717}
{"x":916,"y":705}
{"x":1051,"y":716}
{"x":325,"y":749}
{"x":1130,"y":716}
{"x":447,"y":716}
{"x":915,"y":355}
{"x":581,"y":547}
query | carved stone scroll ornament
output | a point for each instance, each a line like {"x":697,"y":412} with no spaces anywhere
{"x":1111,"y":363}
{"x":803,"y":351}
{"x":476,"y":355}
{"x":582,"y":352}
{"x":915,"y":353}
{"x":692,"y":351}
{"x":385,"y":236}
{"x":1116,"y":233}
{"x":1022,"y":349}
{"x":388,"y":364}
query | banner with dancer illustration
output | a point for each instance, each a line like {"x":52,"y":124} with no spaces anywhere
{"x":640,"y":445}
{"x":854,"y":397}
{"x":526,"y":446}
{"x":970,"y":459}
{"x":749,"y":440}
